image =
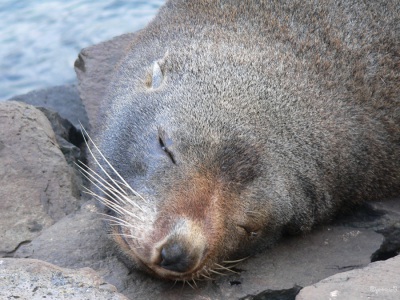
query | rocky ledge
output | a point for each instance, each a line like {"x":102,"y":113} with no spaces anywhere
{"x":54,"y":245}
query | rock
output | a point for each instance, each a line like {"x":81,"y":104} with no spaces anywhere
{"x":80,"y":240}
{"x":379,"y":280}
{"x":69,"y":139}
{"x":279,"y":272}
{"x":288,"y":294}
{"x":391,"y":245}
{"x":64,"y":109}
{"x":94,"y":68}
{"x":391,"y":230}
{"x":77,"y":241}
{"x":37,"y":185}
{"x":63,"y":99}
{"x":304,"y":260}
{"x":35,"y":279}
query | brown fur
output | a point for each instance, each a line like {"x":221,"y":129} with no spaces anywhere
{"x":239,"y":120}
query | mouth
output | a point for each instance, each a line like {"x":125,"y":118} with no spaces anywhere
{"x":172,"y":264}
{"x":170,"y":258}
{"x":165,"y":263}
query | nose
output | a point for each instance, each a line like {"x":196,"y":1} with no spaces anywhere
{"x":183,"y":249}
{"x":175,"y":257}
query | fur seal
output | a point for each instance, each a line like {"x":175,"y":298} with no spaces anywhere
{"x":231,"y":122}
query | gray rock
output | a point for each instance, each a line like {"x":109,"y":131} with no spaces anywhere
{"x":288,"y":294}
{"x":94,"y":68}
{"x":64,"y":109}
{"x":80,"y":240}
{"x":379,"y":280}
{"x":76,"y":241}
{"x":35,"y":279}
{"x":69,"y":139}
{"x":37,"y":185}
{"x":391,"y":245}
{"x":63,"y":99}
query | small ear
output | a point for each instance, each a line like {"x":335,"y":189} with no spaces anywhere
{"x":157,"y":76}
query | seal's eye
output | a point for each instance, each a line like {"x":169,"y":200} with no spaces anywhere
{"x":164,"y":141}
{"x":251,"y":232}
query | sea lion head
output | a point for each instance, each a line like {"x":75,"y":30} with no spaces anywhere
{"x":221,"y":129}
{"x":183,"y":165}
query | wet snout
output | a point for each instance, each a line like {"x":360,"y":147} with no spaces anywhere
{"x":183,"y":249}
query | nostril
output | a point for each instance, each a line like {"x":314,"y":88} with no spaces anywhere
{"x":175,"y":258}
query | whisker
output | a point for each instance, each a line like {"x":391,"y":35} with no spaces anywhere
{"x":208,"y":272}
{"x":233,"y":265}
{"x":122,"y":234}
{"x":194,"y":282}
{"x":98,"y":178}
{"x":125,"y":235}
{"x":110,"y":204}
{"x":113,"y":205}
{"x":256,"y":213}
{"x":116,"y":219}
{"x":187,"y":281}
{"x":216,"y":272}
{"x":116,"y":194}
{"x":174,"y":284}
{"x":104,"y":190}
{"x":108,"y":163}
{"x":205,"y":276}
{"x":92,"y":173}
{"x":121,"y":224}
{"x":94,"y":157}
{"x":220,"y":267}
{"x":235,"y":261}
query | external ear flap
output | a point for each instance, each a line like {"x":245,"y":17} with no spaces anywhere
{"x":157,"y":76}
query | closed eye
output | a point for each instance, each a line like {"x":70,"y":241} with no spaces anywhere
{"x":166,"y":150}
{"x":251,"y":232}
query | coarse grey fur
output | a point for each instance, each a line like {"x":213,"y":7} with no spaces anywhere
{"x":287,"y":111}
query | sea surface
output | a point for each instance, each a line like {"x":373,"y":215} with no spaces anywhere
{"x":40,"y":39}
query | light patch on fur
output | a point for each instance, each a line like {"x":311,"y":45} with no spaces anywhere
{"x":190,"y":235}
{"x":157,"y":76}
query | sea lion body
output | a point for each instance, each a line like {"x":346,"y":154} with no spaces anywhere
{"x":237,"y":121}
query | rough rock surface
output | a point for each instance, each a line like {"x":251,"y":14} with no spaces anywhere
{"x":64,"y":109}
{"x":63,"y":99}
{"x":68,"y":137}
{"x":391,"y":245}
{"x":73,"y":242}
{"x":34,"y":279}
{"x":80,"y":240}
{"x":379,"y":280}
{"x":37,"y":185}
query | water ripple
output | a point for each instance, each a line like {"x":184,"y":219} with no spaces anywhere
{"x":40,"y":40}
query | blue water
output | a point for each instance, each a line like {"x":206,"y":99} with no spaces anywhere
{"x":40,"y":39}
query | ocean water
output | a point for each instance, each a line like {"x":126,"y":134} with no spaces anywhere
{"x":40,"y":39}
